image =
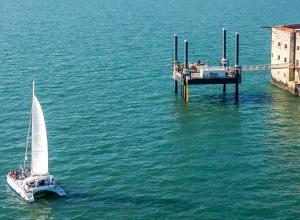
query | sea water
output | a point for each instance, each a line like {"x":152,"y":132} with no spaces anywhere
{"x":121,"y":143}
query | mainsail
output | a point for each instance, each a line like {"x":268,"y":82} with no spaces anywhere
{"x":39,"y":151}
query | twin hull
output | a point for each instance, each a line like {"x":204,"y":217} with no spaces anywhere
{"x":28,"y":195}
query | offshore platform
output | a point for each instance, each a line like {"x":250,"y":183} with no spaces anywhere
{"x":186,"y":74}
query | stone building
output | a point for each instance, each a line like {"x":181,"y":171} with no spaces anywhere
{"x":285,"y":57}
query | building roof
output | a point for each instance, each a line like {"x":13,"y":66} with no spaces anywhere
{"x":288,"y":27}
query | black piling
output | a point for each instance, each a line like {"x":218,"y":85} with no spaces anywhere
{"x":186,"y":54}
{"x":224,"y":43}
{"x":186,"y":71}
{"x":237,"y":48}
{"x":224,"y":60}
{"x":175,"y":48}
{"x":224,"y":88}
{"x":237,"y":92}
{"x":183,"y":91}
{"x":175,"y":60}
{"x":237,"y":67}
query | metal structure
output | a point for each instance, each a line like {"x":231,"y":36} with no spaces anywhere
{"x":192,"y":74}
{"x":198,"y":73}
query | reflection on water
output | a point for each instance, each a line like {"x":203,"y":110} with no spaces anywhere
{"x":41,"y":209}
{"x":284,"y":118}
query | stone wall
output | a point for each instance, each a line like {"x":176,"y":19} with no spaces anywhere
{"x":285,"y":52}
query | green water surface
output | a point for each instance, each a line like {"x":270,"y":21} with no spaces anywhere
{"x":121,"y":143}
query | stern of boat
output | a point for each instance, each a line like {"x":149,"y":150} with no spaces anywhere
{"x":51,"y":188}
{"x":16,"y":185}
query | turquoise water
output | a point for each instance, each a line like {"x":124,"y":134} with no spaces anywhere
{"x":120,"y":142}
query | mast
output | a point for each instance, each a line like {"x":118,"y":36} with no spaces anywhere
{"x":28,"y":132}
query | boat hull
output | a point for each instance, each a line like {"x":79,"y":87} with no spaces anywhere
{"x":17,"y":187}
{"x":28,"y":194}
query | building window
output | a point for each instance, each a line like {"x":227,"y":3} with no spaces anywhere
{"x":285,"y":45}
{"x":285,"y":59}
{"x":279,"y":44}
{"x":278,"y":57}
{"x":297,"y":62}
{"x":298,"y":48}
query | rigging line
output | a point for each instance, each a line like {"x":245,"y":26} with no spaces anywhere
{"x":27,"y":141}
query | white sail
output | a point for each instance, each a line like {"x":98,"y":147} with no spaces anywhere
{"x":39,"y":154}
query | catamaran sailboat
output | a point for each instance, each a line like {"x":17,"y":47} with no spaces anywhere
{"x":30,"y":180}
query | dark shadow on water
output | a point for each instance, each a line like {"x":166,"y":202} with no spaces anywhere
{"x":46,"y":195}
{"x":255,"y":98}
{"x":245,"y":98}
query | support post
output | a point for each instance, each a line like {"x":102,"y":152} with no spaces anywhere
{"x":237,"y":57}
{"x":175,"y":86}
{"x":237,"y":66}
{"x":186,"y":54}
{"x":237,"y":48}
{"x":175,"y":48}
{"x":183,"y":91}
{"x":236,"y":92}
{"x":224,"y":43}
{"x":224,"y":60}
{"x":186,"y":92}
